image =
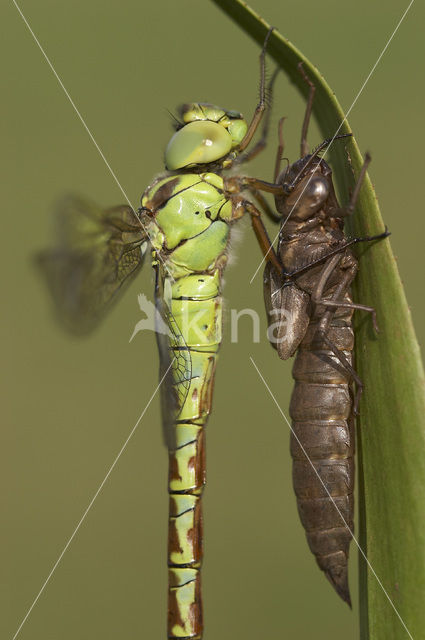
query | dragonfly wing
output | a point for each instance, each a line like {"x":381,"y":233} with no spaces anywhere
{"x":175,"y":364}
{"x":287,"y":309}
{"x":97,"y":254}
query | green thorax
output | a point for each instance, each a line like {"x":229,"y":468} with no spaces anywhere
{"x":188,"y":224}
{"x":188,"y":213}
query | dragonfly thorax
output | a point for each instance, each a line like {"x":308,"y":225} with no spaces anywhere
{"x":207,"y":134}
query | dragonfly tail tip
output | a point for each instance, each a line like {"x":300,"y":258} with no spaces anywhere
{"x":338,"y":577}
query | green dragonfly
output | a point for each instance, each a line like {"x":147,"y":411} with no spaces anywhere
{"x":186,"y":218}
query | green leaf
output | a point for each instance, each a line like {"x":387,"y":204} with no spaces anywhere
{"x":391,"y":428}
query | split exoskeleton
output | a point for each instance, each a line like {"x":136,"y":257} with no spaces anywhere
{"x":309,"y":309}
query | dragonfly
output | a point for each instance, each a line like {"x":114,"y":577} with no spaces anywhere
{"x":185,"y":222}
{"x":309,"y":307}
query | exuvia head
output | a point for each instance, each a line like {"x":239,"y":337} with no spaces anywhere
{"x":306,"y":185}
{"x":309,"y":164}
{"x":207,"y":134}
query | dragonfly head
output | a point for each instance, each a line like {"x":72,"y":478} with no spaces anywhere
{"x":310,"y":164}
{"x":295,"y":173}
{"x":207,"y":134}
{"x":306,"y":189}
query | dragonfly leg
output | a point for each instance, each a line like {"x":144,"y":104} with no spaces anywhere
{"x":265,"y":205}
{"x":347,"y":366}
{"x":262,"y":235}
{"x":279,"y":151}
{"x":349,"y":243}
{"x":348,"y":210}
{"x":335,"y":302}
{"x":259,"y":109}
{"x":262,"y":142}
{"x":236,"y":184}
{"x":308,"y":110}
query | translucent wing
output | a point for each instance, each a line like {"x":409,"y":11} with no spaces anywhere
{"x":175,"y":361}
{"x":97,"y":254}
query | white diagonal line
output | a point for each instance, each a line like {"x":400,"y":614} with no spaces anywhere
{"x":83,"y":517}
{"x":72,"y":103}
{"x":83,"y":122}
{"x":336,"y":133}
{"x":331,"y":498}
{"x":376,"y":63}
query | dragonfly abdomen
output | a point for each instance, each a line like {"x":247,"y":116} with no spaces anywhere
{"x":187,"y":460}
{"x":322,"y":448}
{"x":190,"y":224}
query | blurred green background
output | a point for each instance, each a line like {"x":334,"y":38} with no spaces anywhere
{"x":69,"y":405}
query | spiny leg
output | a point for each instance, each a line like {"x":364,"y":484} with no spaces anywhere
{"x":326,"y":319}
{"x":260,"y":146}
{"x":280,"y":149}
{"x":349,"y":208}
{"x":235,"y":184}
{"x":308,"y":110}
{"x":265,"y":206}
{"x":306,"y":122}
{"x":259,"y":109}
{"x":349,"y":243}
{"x":261,"y":234}
{"x":347,"y":366}
{"x":335,"y":302}
{"x":262,"y":142}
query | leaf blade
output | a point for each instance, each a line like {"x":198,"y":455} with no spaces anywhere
{"x":392,"y":422}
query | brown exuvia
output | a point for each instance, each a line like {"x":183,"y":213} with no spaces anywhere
{"x":309,"y":308}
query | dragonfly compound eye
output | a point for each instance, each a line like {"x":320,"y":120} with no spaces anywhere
{"x":198,"y":142}
{"x":308,"y":196}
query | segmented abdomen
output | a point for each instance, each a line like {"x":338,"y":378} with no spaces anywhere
{"x":200,"y":322}
{"x":320,"y":409}
{"x":189,"y":226}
